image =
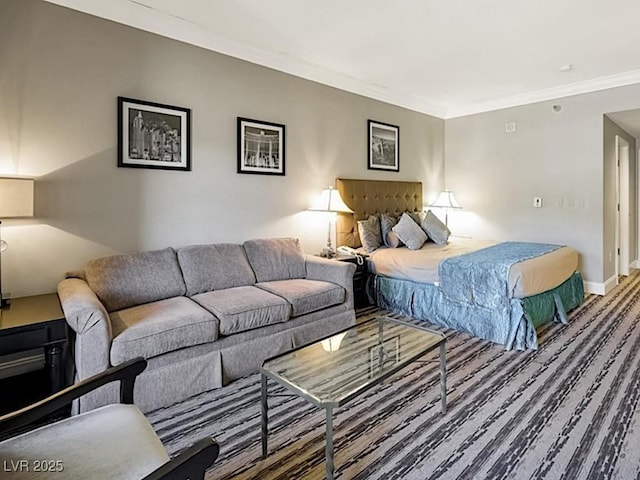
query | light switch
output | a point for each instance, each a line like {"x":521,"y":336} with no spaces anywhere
{"x":537,"y":202}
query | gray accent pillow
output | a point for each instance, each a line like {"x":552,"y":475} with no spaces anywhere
{"x":122,"y":281}
{"x":370,"y":235}
{"x":410,"y":232}
{"x":387,"y":222}
{"x":213,"y":267}
{"x":416,"y":217}
{"x":437,"y":231}
{"x":276,"y":258}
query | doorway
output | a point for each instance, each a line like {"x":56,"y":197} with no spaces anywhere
{"x":623,"y":208}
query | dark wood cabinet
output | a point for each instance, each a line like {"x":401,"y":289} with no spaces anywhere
{"x":359,"y":278}
{"x":29,"y":323}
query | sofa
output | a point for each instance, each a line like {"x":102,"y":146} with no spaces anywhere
{"x":201,"y":315}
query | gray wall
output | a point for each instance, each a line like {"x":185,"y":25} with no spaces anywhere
{"x":61,"y":73}
{"x":554,"y":155}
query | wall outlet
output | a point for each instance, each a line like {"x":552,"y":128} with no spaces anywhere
{"x":537,"y":202}
{"x":510,"y":127}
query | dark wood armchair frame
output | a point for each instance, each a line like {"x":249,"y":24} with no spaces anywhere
{"x":190,"y":463}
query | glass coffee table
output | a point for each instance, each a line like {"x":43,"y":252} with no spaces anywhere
{"x":330,"y":372}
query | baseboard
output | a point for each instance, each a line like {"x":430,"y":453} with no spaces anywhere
{"x":599,"y":288}
{"x":606,"y":287}
{"x":21,"y":365}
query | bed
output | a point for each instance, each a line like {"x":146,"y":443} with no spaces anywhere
{"x":499,"y":292}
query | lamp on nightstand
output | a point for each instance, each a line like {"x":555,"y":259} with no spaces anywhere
{"x":16,"y":200}
{"x":447,"y":201}
{"x":330,"y":201}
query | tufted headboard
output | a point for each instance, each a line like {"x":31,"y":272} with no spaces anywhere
{"x":368,"y":197}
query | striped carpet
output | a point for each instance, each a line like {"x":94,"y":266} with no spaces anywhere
{"x":565,"y":411}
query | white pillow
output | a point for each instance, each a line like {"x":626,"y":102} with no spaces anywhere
{"x":409,"y":232}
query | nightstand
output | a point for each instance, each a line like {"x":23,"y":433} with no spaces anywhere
{"x":29,"y":323}
{"x":359,"y":278}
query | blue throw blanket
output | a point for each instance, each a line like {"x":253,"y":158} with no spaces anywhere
{"x":481,"y":277}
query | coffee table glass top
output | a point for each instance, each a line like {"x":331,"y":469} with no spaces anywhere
{"x":334,"y":370}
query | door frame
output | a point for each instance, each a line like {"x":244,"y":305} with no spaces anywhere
{"x":622,"y":210}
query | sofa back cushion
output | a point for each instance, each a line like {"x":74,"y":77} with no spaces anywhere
{"x":214,"y":267}
{"x":276,"y":258}
{"x":123,"y":281}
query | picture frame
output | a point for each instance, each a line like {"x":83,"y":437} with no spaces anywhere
{"x":261,"y":147}
{"x":153,"y":135}
{"x":384,"y":146}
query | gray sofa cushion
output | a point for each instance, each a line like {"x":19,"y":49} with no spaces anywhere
{"x":122,"y":281}
{"x":244,"y":308}
{"x":160,"y":327}
{"x":214,"y":267}
{"x":276,"y":258}
{"x":306,"y":296}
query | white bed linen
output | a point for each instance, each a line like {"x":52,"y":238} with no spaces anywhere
{"x":526,"y":278}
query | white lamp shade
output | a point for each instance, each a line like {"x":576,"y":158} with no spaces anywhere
{"x":446,"y":200}
{"x":16,"y":197}
{"x":330,"y":201}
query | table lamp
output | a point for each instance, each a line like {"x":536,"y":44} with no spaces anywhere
{"x":447,"y":201}
{"x":16,"y":200}
{"x":330,"y":201}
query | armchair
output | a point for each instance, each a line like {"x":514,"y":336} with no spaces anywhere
{"x":110,"y":442}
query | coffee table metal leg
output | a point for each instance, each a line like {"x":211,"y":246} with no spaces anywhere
{"x":265,"y":418}
{"x":443,"y":376}
{"x":329,"y":445}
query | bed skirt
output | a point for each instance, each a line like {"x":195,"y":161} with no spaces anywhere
{"x":514,"y":329}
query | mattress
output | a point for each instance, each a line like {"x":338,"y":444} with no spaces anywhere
{"x":526,"y":278}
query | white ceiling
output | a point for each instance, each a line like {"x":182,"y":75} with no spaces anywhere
{"x":442,"y":57}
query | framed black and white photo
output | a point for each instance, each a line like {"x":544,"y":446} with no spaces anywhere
{"x":260,"y":147}
{"x":153,"y":135}
{"x":384,"y":146}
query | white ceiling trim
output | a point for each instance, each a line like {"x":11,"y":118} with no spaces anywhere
{"x":588,"y":86}
{"x":138,"y":15}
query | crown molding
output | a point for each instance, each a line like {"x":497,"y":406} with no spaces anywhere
{"x":577,"y":88}
{"x":138,"y":15}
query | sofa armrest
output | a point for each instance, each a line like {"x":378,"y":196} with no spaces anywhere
{"x":86,"y":315}
{"x":340,"y":273}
